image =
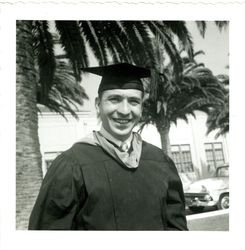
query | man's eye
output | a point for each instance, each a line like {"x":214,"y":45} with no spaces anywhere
{"x":134,"y":102}
{"x":114,"y":99}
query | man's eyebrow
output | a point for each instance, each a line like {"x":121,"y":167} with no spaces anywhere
{"x":114,"y":95}
{"x":134,"y":97}
{"x":122,"y":96}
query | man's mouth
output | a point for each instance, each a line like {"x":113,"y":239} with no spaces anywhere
{"x":121,"y":121}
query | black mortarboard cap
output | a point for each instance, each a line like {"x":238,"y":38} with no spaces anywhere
{"x":120,"y":76}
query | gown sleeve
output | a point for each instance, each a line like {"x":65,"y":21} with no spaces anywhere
{"x":59,"y":197}
{"x":175,"y":212}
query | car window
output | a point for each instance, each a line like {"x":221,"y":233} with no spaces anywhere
{"x":223,"y":172}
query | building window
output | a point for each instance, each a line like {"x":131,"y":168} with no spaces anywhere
{"x":181,"y":155}
{"x":214,"y":154}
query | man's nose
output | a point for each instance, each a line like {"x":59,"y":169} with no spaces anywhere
{"x":124,"y":108}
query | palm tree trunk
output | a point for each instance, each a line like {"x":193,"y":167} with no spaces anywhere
{"x":28,"y":156}
{"x":165,"y":141}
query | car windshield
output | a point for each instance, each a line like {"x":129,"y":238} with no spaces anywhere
{"x":222,"y":172}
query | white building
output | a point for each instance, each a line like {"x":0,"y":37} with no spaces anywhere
{"x":195,"y":154}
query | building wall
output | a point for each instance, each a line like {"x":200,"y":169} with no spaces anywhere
{"x":57,"y":134}
{"x":194,"y":134}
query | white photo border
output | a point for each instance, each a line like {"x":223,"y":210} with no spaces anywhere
{"x":146,"y":10}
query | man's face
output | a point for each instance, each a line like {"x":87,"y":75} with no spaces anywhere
{"x":120,"y":110}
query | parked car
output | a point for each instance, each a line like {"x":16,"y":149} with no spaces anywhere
{"x":209,"y":192}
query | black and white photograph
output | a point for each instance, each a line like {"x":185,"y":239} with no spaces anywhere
{"x":120,"y":126}
{"x":155,"y":143}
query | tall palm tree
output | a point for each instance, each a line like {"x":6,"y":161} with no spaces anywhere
{"x":197,"y":89}
{"x":28,"y":156}
{"x":181,"y":88}
{"x":41,"y":78}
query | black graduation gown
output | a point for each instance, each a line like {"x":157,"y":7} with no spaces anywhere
{"x":86,"y":189}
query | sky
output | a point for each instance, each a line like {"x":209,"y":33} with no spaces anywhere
{"x":215,"y":44}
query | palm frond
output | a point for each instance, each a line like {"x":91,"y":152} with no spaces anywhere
{"x":218,"y":116}
{"x":43,"y":48}
{"x":159,"y":29}
{"x":93,"y":32}
{"x":182,"y":117}
{"x":223,"y":79}
{"x":66,"y":95}
{"x":202,"y":26}
{"x":184,"y":37}
{"x":73,"y":44}
{"x":134,"y":42}
{"x":120,"y":39}
{"x":192,"y":67}
{"x":199,"y":52}
{"x":143,"y":33}
{"x":116,"y":41}
{"x":222,"y":24}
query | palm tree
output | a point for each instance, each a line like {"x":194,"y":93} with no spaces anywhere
{"x":218,"y":115}
{"x":182,"y":88}
{"x":28,"y":156}
{"x":173,"y":99}
{"x":43,"y":78}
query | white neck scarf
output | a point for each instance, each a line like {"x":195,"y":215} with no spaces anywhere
{"x":130,"y":158}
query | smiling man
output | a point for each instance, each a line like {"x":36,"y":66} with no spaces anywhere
{"x":120,"y":110}
{"x":112,"y":180}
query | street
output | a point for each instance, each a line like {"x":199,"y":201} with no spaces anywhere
{"x":209,"y":220}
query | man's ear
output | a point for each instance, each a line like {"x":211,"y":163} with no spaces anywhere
{"x":97,"y":104}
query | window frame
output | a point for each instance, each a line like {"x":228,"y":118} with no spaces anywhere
{"x":184,"y":163}
{"x":214,"y":161}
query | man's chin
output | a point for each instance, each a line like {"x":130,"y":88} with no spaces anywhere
{"x":122,"y":134}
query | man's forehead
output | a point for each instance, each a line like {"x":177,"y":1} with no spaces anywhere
{"x":123,"y":92}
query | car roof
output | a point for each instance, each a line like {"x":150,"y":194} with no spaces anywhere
{"x":223,"y":165}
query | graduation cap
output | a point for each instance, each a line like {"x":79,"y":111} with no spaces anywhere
{"x":120,"y":76}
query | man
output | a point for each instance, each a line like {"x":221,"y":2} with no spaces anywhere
{"x":112,"y":180}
